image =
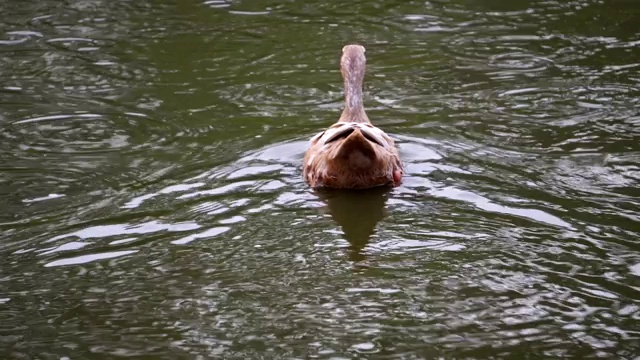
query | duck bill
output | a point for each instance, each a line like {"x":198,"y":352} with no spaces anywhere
{"x":357,"y":150}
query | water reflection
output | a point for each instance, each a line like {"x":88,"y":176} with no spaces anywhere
{"x":357,"y":213}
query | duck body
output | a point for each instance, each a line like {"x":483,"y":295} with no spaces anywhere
{"x":352,"y":153}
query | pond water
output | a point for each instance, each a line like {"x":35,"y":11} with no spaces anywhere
{"x":153,"y":205}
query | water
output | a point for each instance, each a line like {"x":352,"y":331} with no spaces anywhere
{"x":153,"y":205}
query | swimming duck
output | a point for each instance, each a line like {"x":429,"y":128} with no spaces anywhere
{"x":352,"y":153}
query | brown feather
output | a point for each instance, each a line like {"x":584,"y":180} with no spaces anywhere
{"x":352,"y":153}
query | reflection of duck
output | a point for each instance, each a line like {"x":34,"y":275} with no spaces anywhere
{"x":352,"y":153}
{"x":357,"y":213}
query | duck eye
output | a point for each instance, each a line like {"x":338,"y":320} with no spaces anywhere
{"x":372,"y":138}
{"x":317,"y":137}
{"x":340,"y":134}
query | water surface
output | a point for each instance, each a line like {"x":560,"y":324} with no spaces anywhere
{"x":153,"y":205}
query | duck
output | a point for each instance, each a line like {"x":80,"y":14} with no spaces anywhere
{"x":352,"y":153}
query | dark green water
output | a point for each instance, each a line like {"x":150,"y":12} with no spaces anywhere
{"x":153,"y":206}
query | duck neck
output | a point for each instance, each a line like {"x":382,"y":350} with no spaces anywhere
{"x":352,"y":66}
